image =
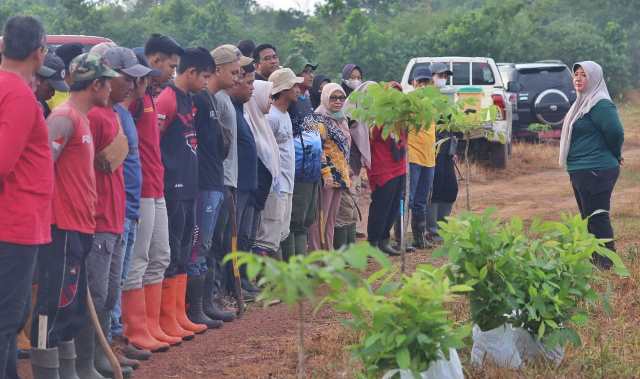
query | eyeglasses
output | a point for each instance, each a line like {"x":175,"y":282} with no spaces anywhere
{"x":337,"y":98}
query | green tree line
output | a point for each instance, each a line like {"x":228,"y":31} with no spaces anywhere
{"x":379,"y":35}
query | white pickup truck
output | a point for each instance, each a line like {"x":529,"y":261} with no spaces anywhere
{"x":482,"y":76}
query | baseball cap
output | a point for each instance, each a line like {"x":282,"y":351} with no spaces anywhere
{"x":283,"y":79}
{"x":422,"y":73}
{"x":124,"y":59}
{"x":142,"y":59}
{"x":53,"y":71}
{"x":440,"y":68}
{"x":90,"y":66}
{"x":102,"y":48}
{"x":297,"y":62}
{"x":228,"y":54}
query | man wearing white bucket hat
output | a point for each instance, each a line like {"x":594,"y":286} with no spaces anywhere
{"x":276,"y":216}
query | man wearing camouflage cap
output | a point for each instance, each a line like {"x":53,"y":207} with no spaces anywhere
{"x":61,"y":302}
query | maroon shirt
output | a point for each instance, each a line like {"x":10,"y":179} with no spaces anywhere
{"x":149,"y":144}
{"x":110,"y":208}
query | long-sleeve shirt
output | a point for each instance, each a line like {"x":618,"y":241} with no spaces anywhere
{"x":596,"y":139}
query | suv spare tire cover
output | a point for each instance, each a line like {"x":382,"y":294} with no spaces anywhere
{"x":551,"y":106}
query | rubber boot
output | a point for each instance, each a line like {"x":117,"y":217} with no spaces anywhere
{"x":181,"y":307}
{"x":133,"y":353}
{"x":86,"y":351}
{"x":385,"y":247}
{"x":135,"y":322}
{"x":301,"y":243}
{"x":602,"y":262}
{"x":209,"y":306}
{"x":418,"y":229}
{"x":351,"y":234}
{"x":101,"y":361}
{"x":67,"y":355}
{"x":45,"y":363}
{"x":339,"y":237}
{"x":153,"y":298}
{"x":195,"y":294}
{"x":168,"y":321}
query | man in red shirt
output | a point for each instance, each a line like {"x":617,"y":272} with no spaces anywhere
{"x":61,"y":304}
{"x":104,"y":262}
{"x":26,"y":179}
{"x":179,"y":154}
{"x":142,"y":291}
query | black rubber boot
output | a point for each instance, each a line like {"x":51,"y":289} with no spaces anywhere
{"x":209,"y":304}
{"x":45,"y":363}
{"x":67,"y":355}
{"x":86,"y":350}
{"x":195,"y":292}
{"x":385,"y":247}
{"x":101,"y":361}
{"x":248,"y":286}
{"x":418,"y":228}
{"x":339,"y":237}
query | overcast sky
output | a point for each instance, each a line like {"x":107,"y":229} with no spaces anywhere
{"x":303,"y":5}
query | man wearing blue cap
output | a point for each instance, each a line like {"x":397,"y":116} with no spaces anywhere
{"x":49,"y":79}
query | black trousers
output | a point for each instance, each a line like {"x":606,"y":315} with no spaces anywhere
{"x":17,"y":264}
{"x":384,"y":209}
{"x":62,"y":286}
{"x":593,"y":189}
{"x":221,"y":245}
{"x":181,"y":215}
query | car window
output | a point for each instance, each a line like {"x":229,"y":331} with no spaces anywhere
{"x":461,"y":73}
{"x":481,"y":74}
{"x":540,"y":79}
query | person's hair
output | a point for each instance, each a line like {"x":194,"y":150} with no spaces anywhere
{"x":82,"y":85}
{"x":259,"y":48}
{"x":22,"y":36}
{"x":198,"y":58}
{"x":249,"y":68}
{"x":246,"y":47}
{"x":159,"y":43}
{"x":68,"y":51}
{"x":276,"y":96}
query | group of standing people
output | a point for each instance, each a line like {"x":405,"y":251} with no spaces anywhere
{"x":152,"y":160}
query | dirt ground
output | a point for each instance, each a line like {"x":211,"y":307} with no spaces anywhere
{"x":262,"y":343}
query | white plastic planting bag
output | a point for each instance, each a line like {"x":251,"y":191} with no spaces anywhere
{"x":441,"y":369}
{"x":509,"y":347}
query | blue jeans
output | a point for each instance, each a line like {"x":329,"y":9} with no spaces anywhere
{"x":207,"y":211}
{"x":420,"y":183}
{"x":128,"y":238}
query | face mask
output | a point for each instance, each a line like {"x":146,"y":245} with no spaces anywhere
{"x":337,"y":115}
{"x":439,"y":82}
{"x":353,"y":83}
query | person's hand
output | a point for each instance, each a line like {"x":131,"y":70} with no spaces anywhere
{"x":455,"y":159}
{"x":621,"y":161}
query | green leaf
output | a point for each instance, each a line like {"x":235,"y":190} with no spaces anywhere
{"x":403,"y":358}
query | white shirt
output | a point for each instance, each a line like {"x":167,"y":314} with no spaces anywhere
{"x":280,"y":123}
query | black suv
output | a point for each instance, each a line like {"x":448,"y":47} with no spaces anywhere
{"x":540,"y":92}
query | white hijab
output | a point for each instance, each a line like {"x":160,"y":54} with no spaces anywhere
{"x":360,"y":131}
{"x":596,"y":90}
{"x":257,"y":107}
